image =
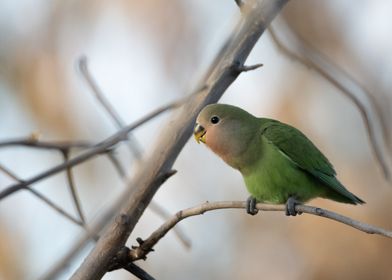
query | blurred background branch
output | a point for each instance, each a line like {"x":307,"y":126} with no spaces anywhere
{"x":42,"y":197}
{"x":99,"y":148}
{"x":310,"y":57}
{"x":132,"y":142}
{"x":142,"y":54}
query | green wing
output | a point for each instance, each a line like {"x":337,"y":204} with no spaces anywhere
{"x":304,"y":154}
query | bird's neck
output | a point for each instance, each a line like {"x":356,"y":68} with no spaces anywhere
{"x":239,"y":152}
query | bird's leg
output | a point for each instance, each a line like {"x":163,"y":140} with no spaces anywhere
{"x":251,"y":206}
{"x":290,"y":207}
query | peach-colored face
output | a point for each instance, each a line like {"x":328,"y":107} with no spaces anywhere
{"x":215,"y":130}
{"x":206,"y":129}
{"x":226,"y":130}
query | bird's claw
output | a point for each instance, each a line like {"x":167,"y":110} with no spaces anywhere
{"x":290,"y":207}
{"x":251,"y":206}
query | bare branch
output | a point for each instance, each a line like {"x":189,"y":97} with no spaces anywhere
{"x":155,"y":207}
{"x":117,"y":165}
{"x":99,"y":148}
{"x":82,"y":63}
{"x":138,"y":271}
{"x":78,"y":246}
{"x":133,"y":144}
{"x":244,"y":68}
{"x":38,"y":144}
{"x":72,"y":188}
{"x":220,"y":75}
{"x":9,"y":173}
{"x":50,"y":203}
{"x":121,"y":261}
{"x":147,"y":245}
{"x":314,"y":59}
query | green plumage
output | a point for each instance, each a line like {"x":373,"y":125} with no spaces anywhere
{"x":277,"y":161}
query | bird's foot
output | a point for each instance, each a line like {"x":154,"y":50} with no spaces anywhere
{"x":251,"y":206}
{"x":290,"y":207}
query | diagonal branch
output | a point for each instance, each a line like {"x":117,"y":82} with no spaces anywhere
{"x":138,"y":272}
{"x":83,"y":67}
{"x":133,"y":144}
{"x":220,"y":76}
{"x":72,"y":188}
{"x":314,"y":59}
{"x":38,"y":144}
{"x":99,"y":148}
{"x":121,"y":261}
{"x":155,"y":207}
{"x":117,"y":165}
{"x":147,"y":245}
{"x":43,"y":198}
{"x":163,"y":213}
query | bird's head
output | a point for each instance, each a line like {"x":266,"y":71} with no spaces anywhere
{"x":225,"y":129}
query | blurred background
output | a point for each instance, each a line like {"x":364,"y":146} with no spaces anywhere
{"x":145,"y":54}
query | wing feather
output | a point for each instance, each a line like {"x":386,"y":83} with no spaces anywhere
{"x":297,"y":147}
{"x":303,"y":153}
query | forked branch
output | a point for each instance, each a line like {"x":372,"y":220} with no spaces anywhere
{"x":102,"y":147}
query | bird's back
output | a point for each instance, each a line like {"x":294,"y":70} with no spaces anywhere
{"x":299,"y":161}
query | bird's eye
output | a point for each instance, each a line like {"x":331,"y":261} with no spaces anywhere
{"x":214,"y":119}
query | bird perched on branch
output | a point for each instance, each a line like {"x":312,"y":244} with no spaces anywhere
{"x":278,"y":162}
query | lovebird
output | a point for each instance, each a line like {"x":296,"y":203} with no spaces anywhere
{"x":278,"y":163}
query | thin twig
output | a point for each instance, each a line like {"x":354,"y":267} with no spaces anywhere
{"x":9,"y":173}
{"x":38,"y":144}
{"x":55,"y":207}
{"x":46,"y":200}
{"x":120,"y":261}
{"x":96,"y":227}
{"x":83,"y":67}
{"x":138,"y":272}
{"x":72,"y":188}
{"x":117,"y":165}
{"x":133,"y":144}
{"x":147,"y":245}
{"x":246,"y":68}
{"x":155,"y":207}
{"x":314,"y":59}
{"x":101,"y":147}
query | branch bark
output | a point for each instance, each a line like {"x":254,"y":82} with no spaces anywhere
{"x":147,"y":245}
{"x":223,"y":72}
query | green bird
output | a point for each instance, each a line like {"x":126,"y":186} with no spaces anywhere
{"x":278,"y":162}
